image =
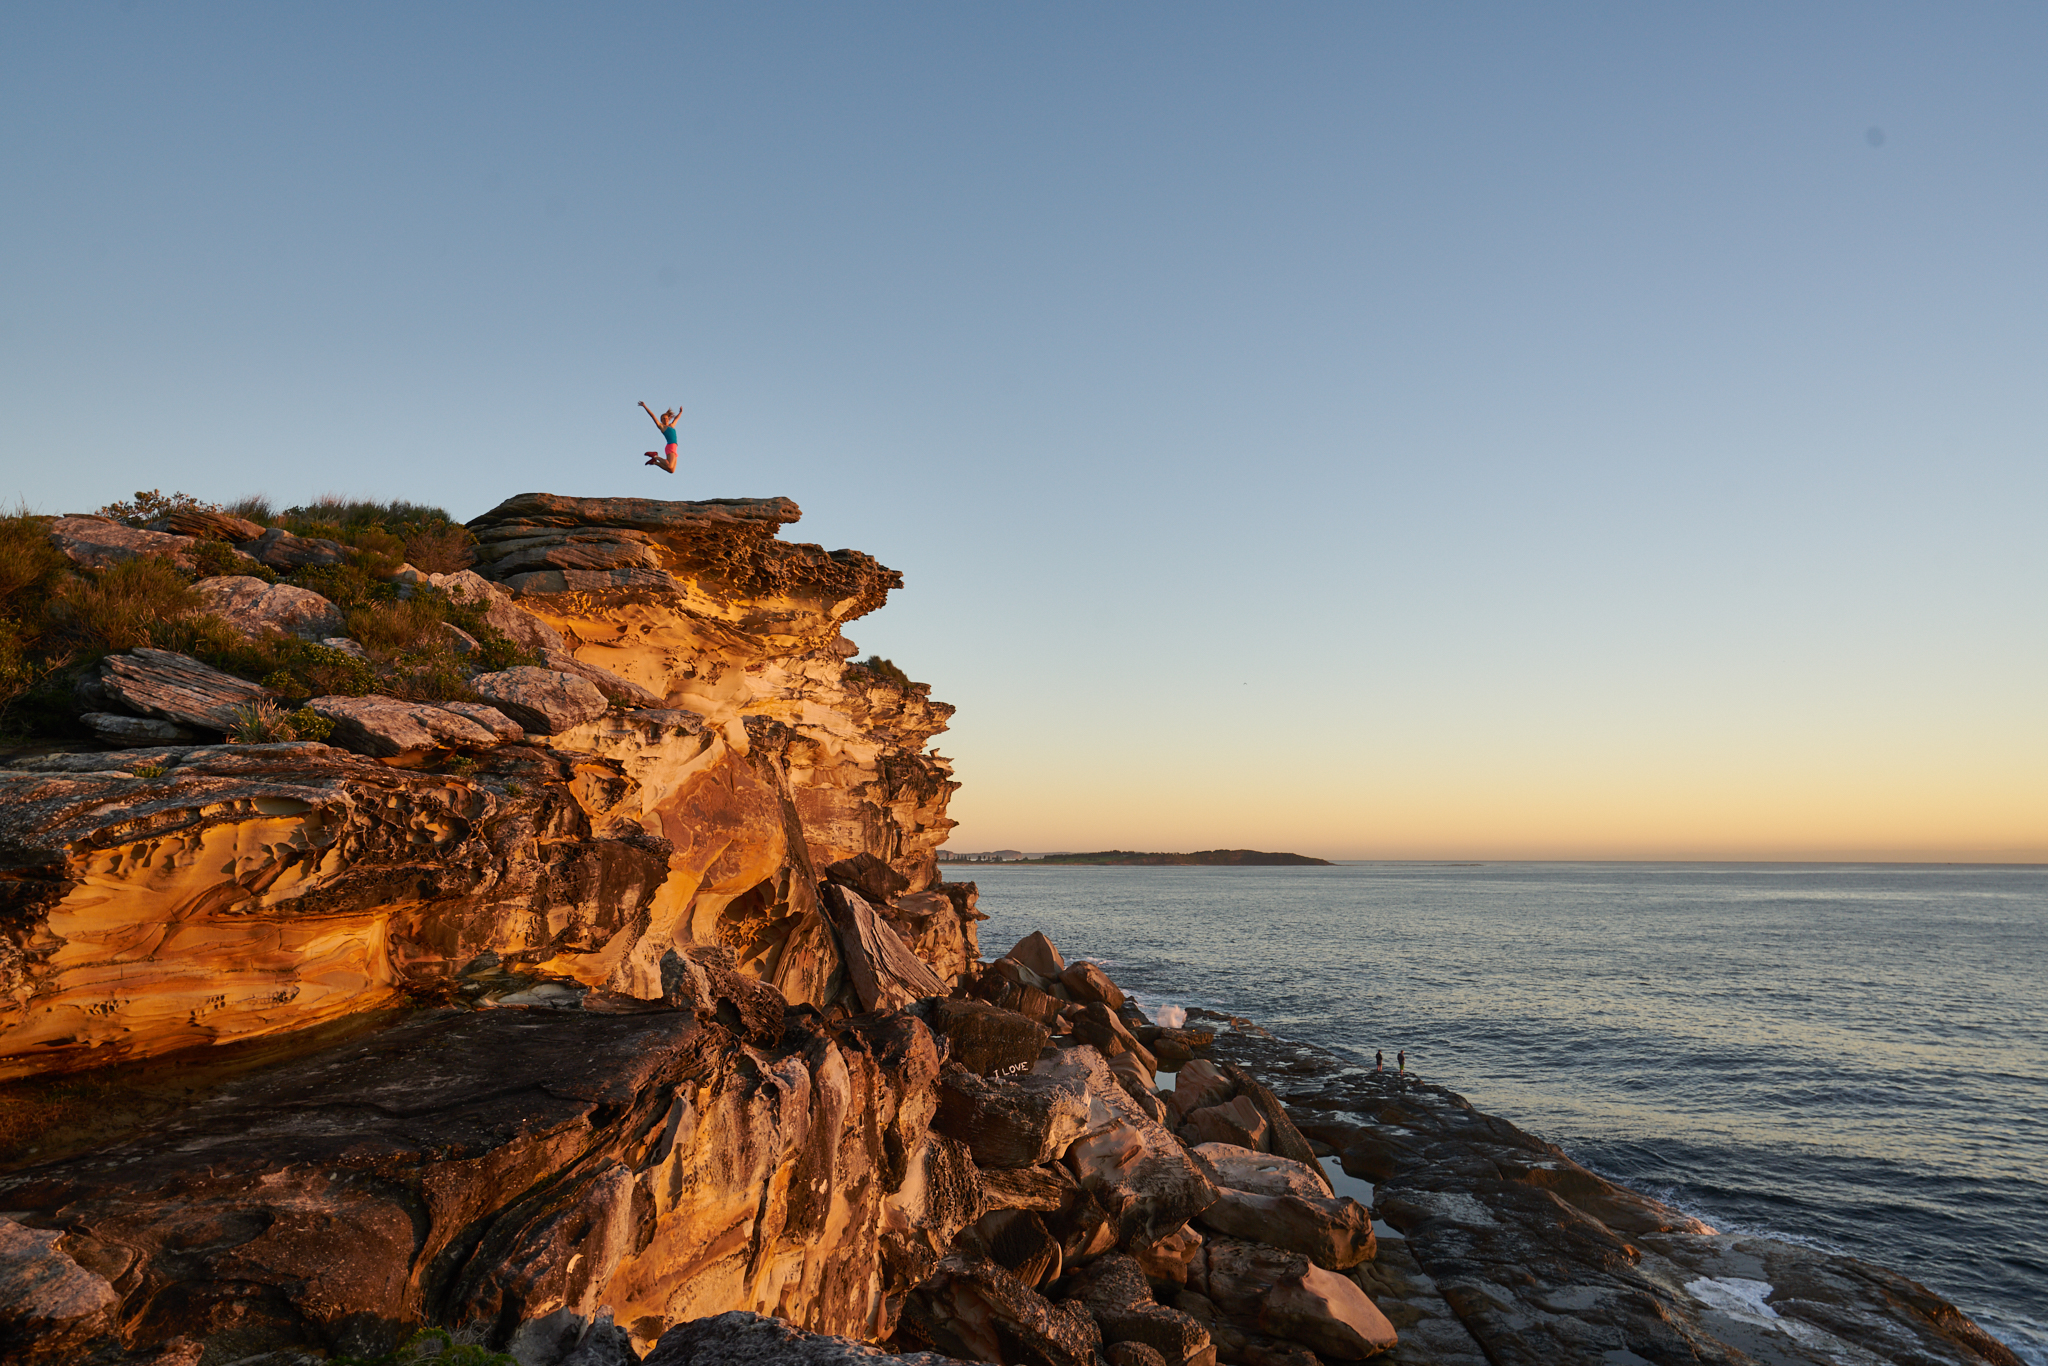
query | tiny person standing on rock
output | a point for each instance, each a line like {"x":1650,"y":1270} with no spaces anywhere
{"x":667,"y":423}
{"x":1379,"y":1061}
{"x":1403,"y":1056}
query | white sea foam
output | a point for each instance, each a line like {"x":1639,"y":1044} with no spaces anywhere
{"x":1170,"y":1017}
{"x":1734,"y":1296}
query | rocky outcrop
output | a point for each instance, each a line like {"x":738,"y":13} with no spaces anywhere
{"x":204,"y":894}
{"x":256,"y":608}
{"x":168,"y":686}
{"x":700,"y":605}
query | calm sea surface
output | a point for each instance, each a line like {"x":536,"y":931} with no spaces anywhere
{"x":1854,"y":1055}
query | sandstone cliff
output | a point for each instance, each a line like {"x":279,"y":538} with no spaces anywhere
{"x":158,"y":897}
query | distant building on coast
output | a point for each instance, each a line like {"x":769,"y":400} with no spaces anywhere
{"x":990,"y":856}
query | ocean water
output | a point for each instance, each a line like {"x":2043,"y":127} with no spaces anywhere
{"x":1851,"y":1055}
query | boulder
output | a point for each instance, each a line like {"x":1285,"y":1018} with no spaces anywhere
{"x":1036,"y":952}
{"x":1201,"y":1083}
{"x":869,"y":876}
{"x":1026,"y":1001}
{"x":1281,"y":1135}
{"x":1236,"y":1121}
{"x":1246,"y":1169}
{"x":491,"y":719}
{"x":1285,"y":1294}
{"x":1086,"y":982}
{"x":283,"y":551}
{"x":705,"y":980}
{"x":972,"y":1309}
{"x":1137,"y":1171}
{"x":1331,"y":1231}
{"x":988,"y":1039}
{"x":885,"y":973}
{"x":1118,"y":1295}
{"x":96,"y":543}
{"x":256,"y":608}
{"x":1174,"y":1047}
{"x":1016,"y":1122}
{"x":737,"y":1338}
{"x":125,"y":732}
{"x":48,"y":1301}
{"x":176,"y":688}
{"x":542,"y":701}
{"x":1017,"y":1241}
{"x":1014,"y":970}
{"x":1046,"y":1187}
{"x":623,"y":691}
{"x":389,"y":727}
{"x":1165,"y":1262}
{"x":1098,"y":1025}
{"x":202,"y":525}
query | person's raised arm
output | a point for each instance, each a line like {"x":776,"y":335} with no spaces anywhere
{"x":650,"y":416}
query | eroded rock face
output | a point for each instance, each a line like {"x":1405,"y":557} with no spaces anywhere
{"x":254,"y":889}
{"x":702,"y":607}
{"x":513,"y":1170}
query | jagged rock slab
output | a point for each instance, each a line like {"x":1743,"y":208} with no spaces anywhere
{"x":388,"y":727}
{"x":112,"y":728}
{"x":624,"y":691}
{"x":973,"y":1309}
{"x":543,"y":701}
{"x":1288,"y":1296}
{"x":742,"y":1339}
{"x":96,"y":543}
{"x":281,"y":550}
{"x":256,"y":608}
{"x":512,"y":1170}
{"x":202,"y":525}
{"x":1021,"y":1121}
{"x":885,"y":973}
{"x":502,"y":727}
{"x":176,"y":688}
{"x":1270,"y":1199}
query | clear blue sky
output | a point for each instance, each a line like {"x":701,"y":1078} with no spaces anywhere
{"x":1369,"y":429}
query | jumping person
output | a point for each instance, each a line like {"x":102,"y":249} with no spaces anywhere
{"x":667,"y":423}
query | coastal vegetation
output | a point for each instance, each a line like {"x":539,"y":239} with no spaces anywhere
{"x":61,"y":613}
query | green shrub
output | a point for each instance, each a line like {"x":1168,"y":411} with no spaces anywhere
{"x":147,"y":507}
{"x":439,"y":548}
{"x":344,"y":585}
{"x":120,"y":607}
{"x":255,"y":508}
{"x":262,"y":723}
{"x":394,"y":627}
{"x":886,"y":670}
{"x":217,"y":559}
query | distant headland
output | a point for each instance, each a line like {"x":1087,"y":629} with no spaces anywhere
{"x":1202,"y":857}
